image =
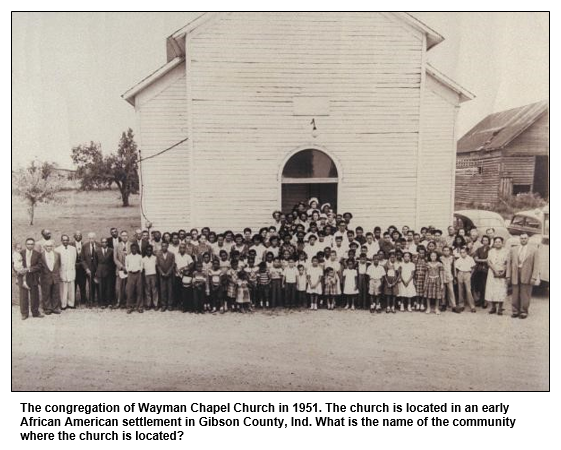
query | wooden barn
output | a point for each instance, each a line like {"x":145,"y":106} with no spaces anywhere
{"x":506,"y":153}
{"x":272,"y":108}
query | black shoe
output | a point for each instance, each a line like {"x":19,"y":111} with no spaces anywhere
{"x":141,"y":311}
{"x":56,"y":311}
{"x":523,"y":316}
{"x":39,"y":316}
{"x":500,"y":312}
{"x":457,"y":310}
{"x":163,"y":309}
{"x":47,"y":313}
{"x":514,"y":315}
{"x":129,"y":311}
{"x":492,"y":311}
{"x":24,"y":317}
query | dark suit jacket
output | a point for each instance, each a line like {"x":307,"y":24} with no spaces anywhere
{"x":105,"y":264}
{"x":50,"y":276}
{"x":34,"y":269}
{"x":110,"y":242}
{"x":89,"y":261}
{"x":165,"y":266}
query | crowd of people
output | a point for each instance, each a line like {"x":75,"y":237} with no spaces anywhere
{"x":309,"y":258}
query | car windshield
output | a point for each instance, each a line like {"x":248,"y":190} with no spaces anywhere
{"x":518,"y":220}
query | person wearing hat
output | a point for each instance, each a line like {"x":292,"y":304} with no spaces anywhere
{"x":313,"y":206}
{"x":325,"y":208}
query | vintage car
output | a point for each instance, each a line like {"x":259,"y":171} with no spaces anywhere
{"x":482,"y":220}
{"x":535,"y":223}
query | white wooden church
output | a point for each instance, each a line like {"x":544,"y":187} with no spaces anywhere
{"x":274,"y":108}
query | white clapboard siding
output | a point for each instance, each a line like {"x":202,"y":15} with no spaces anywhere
{"x":245,"y":71}
{"x":162,"y":116}
{"x":436,"y":161}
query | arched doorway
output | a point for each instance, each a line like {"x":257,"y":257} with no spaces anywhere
{"x":309,"y":173}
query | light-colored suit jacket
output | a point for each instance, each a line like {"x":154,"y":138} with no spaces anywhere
{"x":68,"y":257}
{"x":530,"y":267}
{"x":119,"y":255}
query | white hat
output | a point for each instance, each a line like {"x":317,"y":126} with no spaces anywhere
{"x":313,"y":199}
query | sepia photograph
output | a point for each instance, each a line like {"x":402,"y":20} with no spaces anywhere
{"x":280,"y":201}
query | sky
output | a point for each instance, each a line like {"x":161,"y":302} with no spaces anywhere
{"x":69,"y":71}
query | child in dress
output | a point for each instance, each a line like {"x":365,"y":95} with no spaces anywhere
{"x":263,"y":285}
{"x":315,"y":275}
{"x":243,"y":299}
{"x":276,"y":283}
{"x":289,"y":277}
{"x":362,"y":268}
{"x":407,"y":286}
{"x":420,"y":276}
{"x":350,"y":284}
{"x":206,"y":267}
{"x":375,"y":274}
{"x":335,"y":264}
{"x":232,"y":286}
{"x":391,"y":282}
{"x":301,"y":286}
{"x":216,"y":282}
{"x":434,"y":284}
{"x":331,"y":282}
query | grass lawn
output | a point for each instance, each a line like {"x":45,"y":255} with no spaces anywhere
{"x":95,"y":211}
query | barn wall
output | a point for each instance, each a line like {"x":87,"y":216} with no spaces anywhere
{"x":520,"y":168}
{"x":533,"y":141}
{"x":161,"y":113}
{"x":481,"y":185}
{"x":437,"y":157}
{"x":245,"y":71}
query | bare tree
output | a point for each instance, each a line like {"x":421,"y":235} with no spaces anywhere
{"x":37,"y":184}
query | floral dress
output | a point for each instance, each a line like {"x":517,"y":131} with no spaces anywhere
{"x":496,"y":287}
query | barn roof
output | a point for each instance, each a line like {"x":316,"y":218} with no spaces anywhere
{"x":499,"y":129}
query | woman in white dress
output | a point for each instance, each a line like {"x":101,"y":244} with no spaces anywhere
{"x":496,"y":287}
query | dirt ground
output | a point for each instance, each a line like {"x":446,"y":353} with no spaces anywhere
{"x":284,"y":350}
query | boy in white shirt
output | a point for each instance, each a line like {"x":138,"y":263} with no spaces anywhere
{"x":150,"y":279}
{"x":289,"y":276}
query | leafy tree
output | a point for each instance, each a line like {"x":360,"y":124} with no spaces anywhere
{"x":96,"y":171}
{"x":91,"y":167}
{"x":37,"y":184}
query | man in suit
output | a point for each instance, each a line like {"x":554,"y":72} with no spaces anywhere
{"x":119,"y":258}
{"x":523,"y":271}
{"x":105,"y":269}
{"x":68,"y":258}
{"x":46,"y":236}
{"x":31,"y":270}
{"x":89,"y":263}
{"x":50,"y":279}
{"x":80,"y":272}
{"x":165,"y":264}
{"x":113,"y":240}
